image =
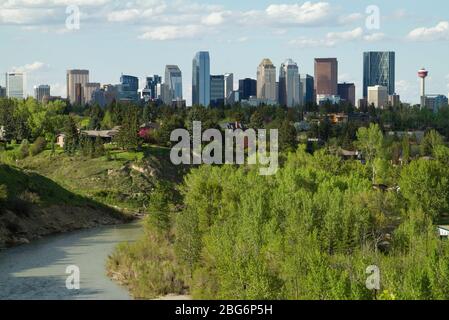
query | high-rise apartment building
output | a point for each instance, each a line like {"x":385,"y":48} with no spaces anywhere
{"x":76,"y":79}
{"x":308,"y":84}
{"x":88,"y":89}
{"x":201,"y":79}
{"x":128,"y":89}
{"x":435,"y":102}
{"x":266,"y":81}
{"x":289,"y":84}
{"x":378,"y":96}
{"x":150,"y":90}
{"x":346,"y":91}
{"x":110,"y":93}
{"x":15,"y":85}
{"x":247,"y":88}
{"x":173,"y":78}
{"x":326,"y":76}
{"x":379,"y":70}
{"x":217,"y":90}
{"x":41,"y":91}
{"x":229,"y":88}
{"x":164,"y":93}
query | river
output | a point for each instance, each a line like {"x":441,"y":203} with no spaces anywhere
{"x":37,"y":271}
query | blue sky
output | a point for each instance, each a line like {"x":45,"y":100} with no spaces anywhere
{"x":139,"y":37}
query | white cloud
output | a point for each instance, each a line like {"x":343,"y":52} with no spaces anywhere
{"x":439,"y":32}
{"x":173,"y":32}
{"x":32,"y":67}
{"x":304,"y":42}
{"x":351,"y":18}
{"x":305,"y":14}
{"x":355,"y":34}
{"x":373,"y":37}
{"x":334,"y":38}
{"x":216,"y":18}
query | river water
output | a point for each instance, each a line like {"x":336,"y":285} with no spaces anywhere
{"x":37,"y":271}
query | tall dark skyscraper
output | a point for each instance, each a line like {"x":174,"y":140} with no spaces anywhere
{"x":201,"y":79}
{"x":326,"y":76}
{"x":379,"y":70}
{"x":308,"y":83}
{"x":217,"y":90}
{"x":247,"y":88}
{"x":346,"y":91}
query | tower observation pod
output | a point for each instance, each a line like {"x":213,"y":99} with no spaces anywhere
{"x":423,"y":73}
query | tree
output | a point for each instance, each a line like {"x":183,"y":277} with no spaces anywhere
{"x":431,"y":140}
{"x":257,"y":121}
{"x":287,"y":137}
{"x":127,"y":137}
{"x":425,"y":184}
{"x":71,"y":141}
{"x":405,"y":149}
{"x":370,"y":141}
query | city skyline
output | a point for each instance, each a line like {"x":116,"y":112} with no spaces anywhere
{"x":300,"y":31}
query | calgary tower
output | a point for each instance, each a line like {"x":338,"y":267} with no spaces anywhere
{"x":423,"y":73}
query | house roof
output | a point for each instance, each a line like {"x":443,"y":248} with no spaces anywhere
{"x":150,"y":125}
{"x":100,"y":133}
{"x":444,"y":227}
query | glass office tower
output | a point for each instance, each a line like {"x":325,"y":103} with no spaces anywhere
{"x":128,"y":89}
{"x":378,"y":70}
{"x":173,"y":78}
{"x":201,"y":79}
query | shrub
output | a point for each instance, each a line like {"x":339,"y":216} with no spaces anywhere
{"x":38,"y":146}
{"x":3,"y":193}
{"x":24,"y":149}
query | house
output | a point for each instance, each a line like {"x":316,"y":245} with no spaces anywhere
{"x":418,"y":135}
{"x":337,"y":118}
{"x":232,"y":126}
{"x":60,"y":140}
{"x":105,"y":135}
{"x":348,"y":155}
{"x":2,"y":134}
{"x":443,"y":231}
{"x":147,"y":129}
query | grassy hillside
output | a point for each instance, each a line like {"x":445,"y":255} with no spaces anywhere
{"x":32,"y":206}
{"x":123,"y":180}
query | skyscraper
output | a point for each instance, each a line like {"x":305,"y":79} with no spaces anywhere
{"x":75,"y":78}
{"x":217,"y":90}
{"x":2,"y":92}
{"x":379,"y":70}
{"x":308,"y":84}
{"x":41,"y":91}
{"x":88,"y":89}
{"x":201,"y":79}
{"x":15,"y":85}
{"x":173,"y":78}
{"x":326,"y":76}
{"x":266,"y":80}
{"x":247,"y":88}
{"x":289,"y":85}
{"x":128,"y":89}
{"x":346,"y":91}
{"x":150,"y":90}
{"x":229,"y":88}
{"x":378,"y":96}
